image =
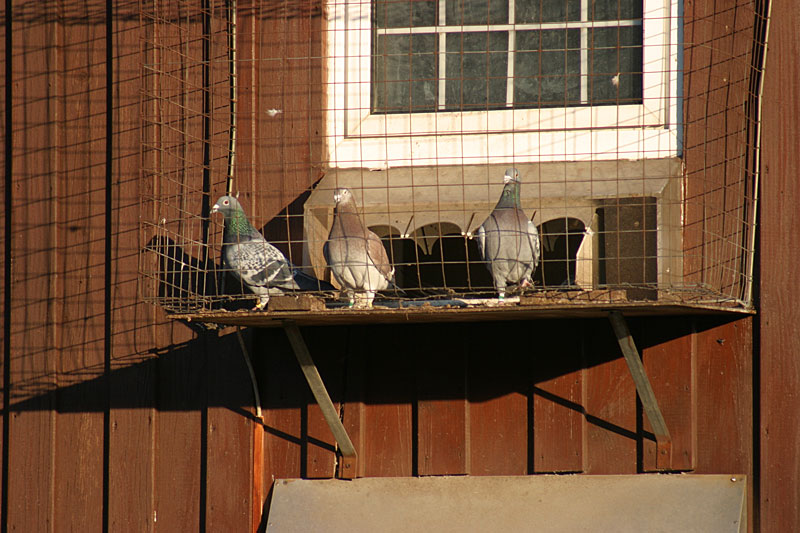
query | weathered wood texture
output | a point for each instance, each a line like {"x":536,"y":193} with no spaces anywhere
{"x":779,"y":334}
{"x":118,"y":418}
{"x":32,"y":335}
{"x":718,"y":125}
{"x":520,"y":397}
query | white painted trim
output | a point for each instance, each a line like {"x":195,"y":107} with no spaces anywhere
{"x":356,"y":138}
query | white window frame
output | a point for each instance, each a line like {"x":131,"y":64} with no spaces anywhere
{"x":357,"y":138}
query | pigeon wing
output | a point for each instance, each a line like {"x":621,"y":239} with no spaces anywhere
{"x":259,"y":264}
{"x":533,"y":238}
{"x":378,"y":256}
{"x":480,"y":240}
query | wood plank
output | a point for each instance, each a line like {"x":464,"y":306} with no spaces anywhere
{"x":175,"y":51}
{"x":354,"y":415}
{"x":390,"y":425}
{"x":5,"y":235}
{"x":779,"y":334}
{"x":132,"y":396}
{"x":717,"y":141}
{"x":669,"y":361}
{"x":321,"y":458}
{"x":558,"y":421}
{"x":609,"y":397}
{"x":80,"y":244}
{"x":180,"y":446}
{"x":725,"y":399}
{"x":284,"y":394}
{"x":32,"y":334}
{"x":285,"y":42}
{"x":443,"y":435}
{"x":229,"y":440}
{"x":498,"y":389}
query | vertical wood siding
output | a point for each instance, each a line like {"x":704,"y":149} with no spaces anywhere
{"x":779,"y":335}
{"x":142,"y":424}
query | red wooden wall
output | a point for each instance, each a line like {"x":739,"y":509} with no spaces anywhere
{"x":778,"y":333}
{"x":115,"y":418}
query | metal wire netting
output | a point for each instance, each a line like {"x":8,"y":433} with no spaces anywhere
{"x":633,"y":126}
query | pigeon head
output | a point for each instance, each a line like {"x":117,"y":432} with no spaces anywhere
{"x":236,"y":222}
{"x":227,"y":205}
{"x":512,"y":175}
{"x":510,"y":195}
{"x":342,"y":195}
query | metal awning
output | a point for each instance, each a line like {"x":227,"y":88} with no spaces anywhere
{"x":550,"y":503}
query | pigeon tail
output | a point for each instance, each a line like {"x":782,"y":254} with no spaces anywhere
{"x":307,"y":282}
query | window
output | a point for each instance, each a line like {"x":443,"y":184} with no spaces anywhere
{"x":438,"y":55}
{"x":474,"y":81}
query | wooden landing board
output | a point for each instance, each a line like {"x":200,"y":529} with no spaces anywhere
{"x":527,"y":309}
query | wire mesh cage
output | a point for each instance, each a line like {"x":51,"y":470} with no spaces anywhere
{"x":380,"y":146}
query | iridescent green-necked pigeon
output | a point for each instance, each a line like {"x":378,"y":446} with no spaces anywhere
{"x":355,"y":254}
{"x":259,"y":266}
{"x":508,"y":240}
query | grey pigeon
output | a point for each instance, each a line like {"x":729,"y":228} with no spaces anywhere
{"x":508,"y":240}
{"x":355,"y":254}
{"x":256,"y":263}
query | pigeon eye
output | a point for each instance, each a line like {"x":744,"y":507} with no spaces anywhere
{"x":225,"y":202}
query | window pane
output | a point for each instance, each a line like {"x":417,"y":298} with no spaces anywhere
{"x":477,"y":70}
{"x":404,"y":13}
{"x":615,"y":9}
{"x":536,"y":11}
{"x":464,"y":12}
{"x":404,"y":74}
{"x":547,"y":68}
{"x":612,"y":52}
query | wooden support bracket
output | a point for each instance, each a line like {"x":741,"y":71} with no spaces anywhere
{"x":644,"y":390}
{"x":349,"y":462}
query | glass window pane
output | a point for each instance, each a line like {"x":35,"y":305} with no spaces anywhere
{"x":547,"y":68}
{"x":404,"y":74}
{"x":464,"y":12}
{"x":404,"y":13}
{"x":536,"y":11}
{"x":615,"y":58}
{"x":615,"y":9}
{"x":476,"y":70}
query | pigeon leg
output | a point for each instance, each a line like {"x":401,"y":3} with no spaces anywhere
{"x":500,"y":287}
{"x":262,"y":303}
{"x":370,"y":297}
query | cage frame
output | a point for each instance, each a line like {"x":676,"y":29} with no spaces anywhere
{"x":304,"y":308}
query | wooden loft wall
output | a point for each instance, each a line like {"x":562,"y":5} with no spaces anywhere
{"x":778,"y":333}
{"x":114,"y":417}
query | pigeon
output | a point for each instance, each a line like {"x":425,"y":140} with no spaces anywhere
{"x":355,"y":254}
{"x":507,"y":240}
{"x":256,"y":263}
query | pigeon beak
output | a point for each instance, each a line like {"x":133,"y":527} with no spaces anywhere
{"x":215,"y":209}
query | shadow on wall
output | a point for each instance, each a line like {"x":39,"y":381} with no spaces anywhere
{"x":523,"y":354}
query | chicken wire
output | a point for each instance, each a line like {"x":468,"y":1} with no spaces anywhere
{"x":633,"y":127}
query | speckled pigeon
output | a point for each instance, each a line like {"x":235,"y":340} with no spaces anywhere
{"x":508,"y":240}
{"x":259,"y":266}
{"x":355,"y":254}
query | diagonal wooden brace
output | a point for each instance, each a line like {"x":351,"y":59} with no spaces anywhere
{"x":329,"y":412}
{"x":645,"y":391}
